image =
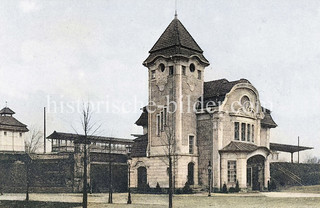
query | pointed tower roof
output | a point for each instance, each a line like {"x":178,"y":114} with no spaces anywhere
{"x":6,"y":111}
{"x":175,"y":41}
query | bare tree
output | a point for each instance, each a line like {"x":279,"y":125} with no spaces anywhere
{"x":89,"y":129}
{"x":34,"y":141}
{"x":169,"y":148}
{"x":312,"y":160}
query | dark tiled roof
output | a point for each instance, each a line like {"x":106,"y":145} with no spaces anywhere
{"x":7,"y":110}
{"x":69,"y":136}
{"x":175,"y":41}
{"x":216,"y":90}
{"x":143,"y":119}
{"x":12,"y":124}
{"x":219,"y":88}
{"x":268,"y":121}
{"x":287,"y":147}
{"x":239,"y":147}
{"x":139,"y":147}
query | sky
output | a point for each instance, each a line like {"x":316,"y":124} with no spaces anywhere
{"x":60,"y":54}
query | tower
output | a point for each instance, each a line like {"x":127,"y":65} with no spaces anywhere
{"x":175,"y":67}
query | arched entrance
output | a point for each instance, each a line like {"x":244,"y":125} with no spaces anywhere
{"x":191,"y":173}
{"x":255,"y":172}
{"x":142,"y":178}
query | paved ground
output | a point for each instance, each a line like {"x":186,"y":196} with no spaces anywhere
{"x":242,"y":200}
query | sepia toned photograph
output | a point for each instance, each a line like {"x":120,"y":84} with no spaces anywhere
{"x":159,"y":103}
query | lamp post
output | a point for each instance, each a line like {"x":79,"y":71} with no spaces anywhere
{"x":129,"y":169}
{"x":209,"y":177}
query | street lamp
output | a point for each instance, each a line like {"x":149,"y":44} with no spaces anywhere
{"x":129,"y":167}
{"x":209,"y":177}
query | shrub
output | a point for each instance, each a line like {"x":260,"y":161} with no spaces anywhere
{"x":273,"y":185}
{"x":158,"y":188}
{"x":224,"y":188}
{"x":232,"y":190}
{"x":178,"y":191}
{"x":186,"y":189}
{"x":237,"y":189}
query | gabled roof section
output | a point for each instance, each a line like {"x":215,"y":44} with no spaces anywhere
{"x":139,"y":147}
{"x":216,"y":90}
{"x":220,"y":87}
{"x":239,"y":147}
{"x":143,"y":119}
{"x":175,"y":41}
{"x":6,"y":111}
{"x":268,"y":121}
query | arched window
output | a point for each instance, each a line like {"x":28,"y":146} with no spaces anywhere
{"x":245,"y":102}
{"x":192,"y":67}
{"x":162,"y":67}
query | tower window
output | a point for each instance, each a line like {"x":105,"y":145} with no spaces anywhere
{"x":162,"y":120}
{"x":191,"y":144}
{"x":158,"y":125}
{"x":153,"y":74}
{"x":162,"y":67}
{"x":183,"y":70}
{"x":252,"y":133}
{"x":243,"y":132}
{"x":248,"y":132}
{"x":192,"y":67}
{"x":171,"y":71}
{"x":20,"y":134}
{"x":199,"y":74}
{"x":236,"y":131}
{"x":5,"y":133}
{"x":232,"y":171}
{"x":165,"y":116}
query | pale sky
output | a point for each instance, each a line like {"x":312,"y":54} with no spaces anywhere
{"x":78,"y":51}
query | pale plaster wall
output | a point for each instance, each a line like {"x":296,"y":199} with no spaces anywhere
{"x":12,"y":141}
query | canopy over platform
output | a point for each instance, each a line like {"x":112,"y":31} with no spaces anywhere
{"x":287,"y":147}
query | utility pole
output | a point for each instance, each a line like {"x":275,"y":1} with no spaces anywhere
{"x":298,"y":149}
{"x":110,"y":174}
{"x":44,"y":131}
{"x":85,"y":182}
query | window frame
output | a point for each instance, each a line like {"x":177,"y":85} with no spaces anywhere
{"x":232,"y":171}
{"x":199,"y":74}
{"x":158,"y":128}
{"x":243,"y":131}
{"x":249,"y":132}
{"x":191,"y":144}
{"x":252,"y":133}
{"x":237,"y":131}
{"x":153,"y":74}
{"x":192,"y":67}
{"x":162,"y":67}
{"x":184,"y":69}
{"x":171,"y":70}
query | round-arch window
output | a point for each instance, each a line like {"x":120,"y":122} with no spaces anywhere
{"x":192,"y":67}
{"x":162,"y":67}
{"x":245,"y":102}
